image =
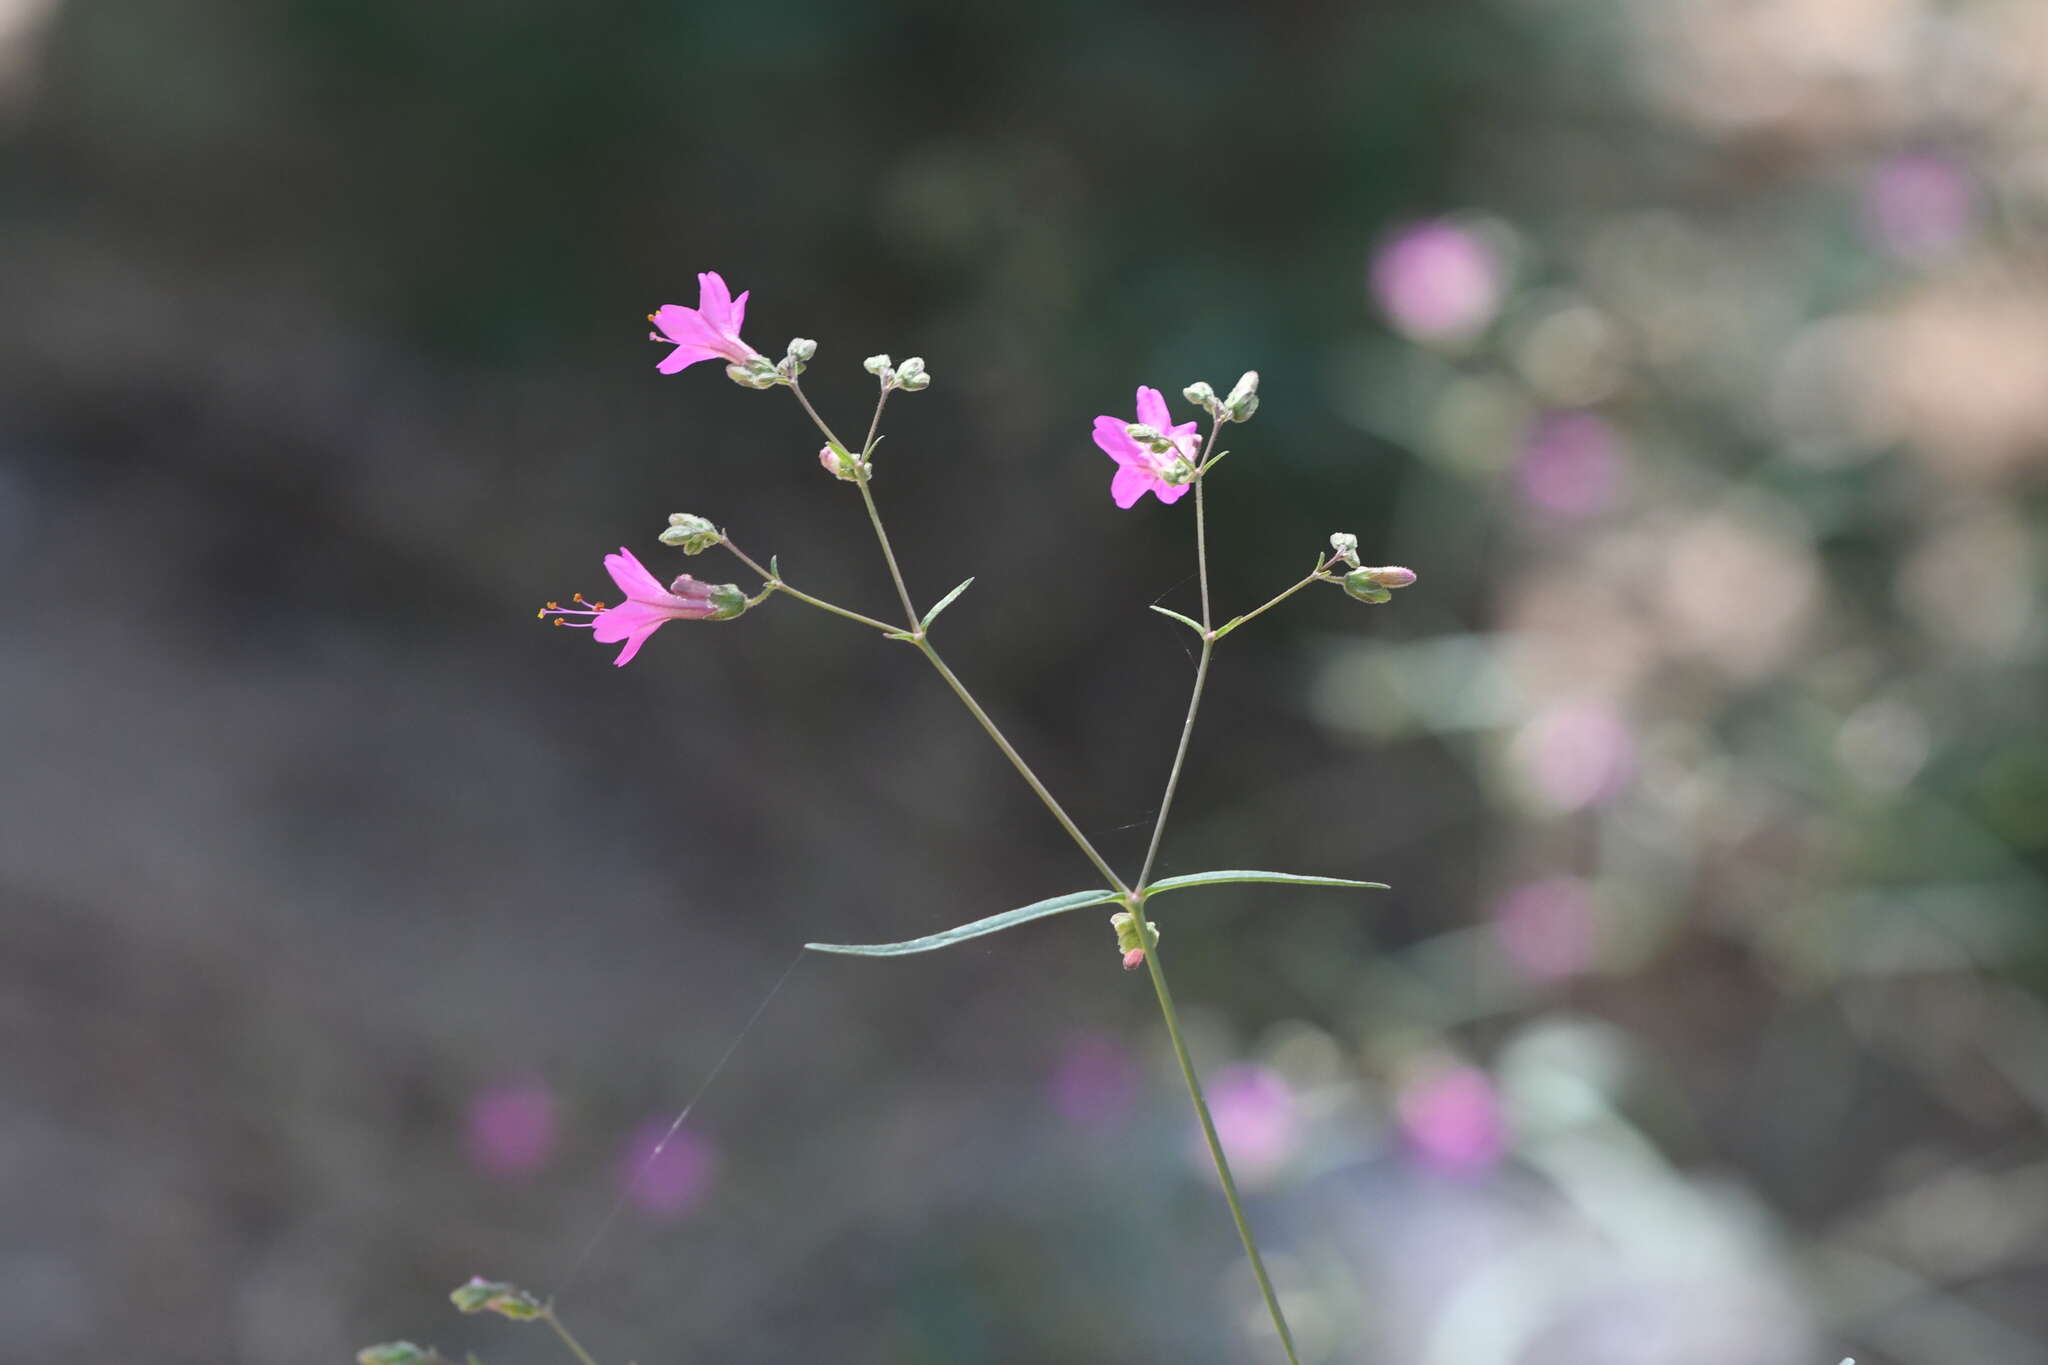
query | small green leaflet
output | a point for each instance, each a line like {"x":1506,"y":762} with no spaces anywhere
{"x":1194,"y":626}
{"x":944,"y":602}
{"x":1240,"y":875}
{"x":994,"y":923}
{"x":1075,"y":901}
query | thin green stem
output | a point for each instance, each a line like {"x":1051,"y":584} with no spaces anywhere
{"x":1201,"y":1103}
{"x":1023,"y":769}
{"x":575,"y":1346}
{"x":776,"y":584}
{"x":1187,"y":729}
{"x":867,"y":497}
{"x":1321,"y":573}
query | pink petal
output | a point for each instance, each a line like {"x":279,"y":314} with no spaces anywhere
{"x":739,"y":313}
{"x":1115,"y":441}
{"x":1152,"y":410}
{"x":686,"y":326}
{"x":714,"y":301}
{"x":1129,"y":485}
{"x":628,"y":618}
{"x":683,"y":357}
{"x":632,"y":577}
{"x":1170,"y":493}
{"x":633,"y":643}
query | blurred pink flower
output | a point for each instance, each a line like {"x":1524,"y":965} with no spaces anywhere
{"x":1139,"y":468}
{"x":1452,"y":1122}
{"x":1256,"y":1117}
{"x":1918,"y":206}
{"x":666,"y":1179}
{"x":1577,"y":753}
{"x":1437,"y":281}
{"x":648,"y":605}
{"x":510,"y":1130}
{"x":1546,"y":927}
{"x":1571,"y":464}
{"x":710,"y":331}
{"x":1095,"y":1082}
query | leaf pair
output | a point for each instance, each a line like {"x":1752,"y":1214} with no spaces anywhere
{"x":1059,"y":905}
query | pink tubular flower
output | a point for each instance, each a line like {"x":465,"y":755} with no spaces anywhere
{"x":648,"y":605}
{"x":710,"y":331}
{"x":1139,"y":467}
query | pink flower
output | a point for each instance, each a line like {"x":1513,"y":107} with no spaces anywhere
{"x":511,"y":1129}
{"x":648,"y":605}
{"x":710,"y":331}
{"x":1438,"y":281}
{"x":1452,"y":1121}
{"x":1139,"y":467}
{"x":1256,"y":1117}
{"x":666,"y":1171}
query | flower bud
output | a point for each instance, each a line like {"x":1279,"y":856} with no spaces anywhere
{"x":400,"y":1353}
{"x":1346,"y":546}
{"x":495,"y":1296}
{"x":875,"y":364}
{"x":1391,"y":576}
{"x":914,"y":383}
{"x":1128,"y":940}
{"x":1202,"y":396}
{"x":729,"y":601}
{"x":1134,"y":959}
{"x":840,"y":463}
{"x":911,"y":367}
{"x":1244,"y":399}
{"x":802,"y":348}
{"x":756,"y":372}
{"x":693,"y":534}
{"x":1360,"y":584}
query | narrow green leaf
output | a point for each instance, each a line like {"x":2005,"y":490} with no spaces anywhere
{"x":944,"y":602}
{"x":994,"y":923}
{"x":1239,"y":875}
{"x":774,"y":570}
{"x":1195,"y":626}
{"x":902,"y":635}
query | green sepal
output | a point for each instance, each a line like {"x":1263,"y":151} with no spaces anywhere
{"x":993,"y":924}
{"x":944,"y":602}
{"x":1241,"y":875}
{"x":1193,"y":625}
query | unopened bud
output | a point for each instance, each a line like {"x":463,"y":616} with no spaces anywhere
{"x":757,"y":372}
{"x":1346,"y":546}
{"x":1178,"y":473}
{"x":1391,"y":576}
{"x":840,"y":463}
{"x":913,"y":366}
{"x":1202,"y":396}
{"x":1134,"y":959}
{"x":692,"y":534}
{"x":1359,"y":584}
{"x":495,"y":1296}
{"x":1128,"y":939}
{"x":729,"y":601}
{"x":802,"y":348}
{"x":914,"y":383}
{"x":875,"y":364}
{"x":1244,"y":399}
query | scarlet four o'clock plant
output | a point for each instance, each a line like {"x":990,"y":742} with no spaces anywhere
{"x":1153,"y":454}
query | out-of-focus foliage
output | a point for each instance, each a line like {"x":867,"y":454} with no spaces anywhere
{"x":362,"y":937}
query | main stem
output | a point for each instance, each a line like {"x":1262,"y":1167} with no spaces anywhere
{"x":1201,"y":1103}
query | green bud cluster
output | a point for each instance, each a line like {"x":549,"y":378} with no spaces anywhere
{"x":692,"y":534}
{"x":757,"y":372}
{"x":495,"y":1296}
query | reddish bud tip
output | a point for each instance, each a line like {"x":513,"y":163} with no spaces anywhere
{"x":1134,"y":959}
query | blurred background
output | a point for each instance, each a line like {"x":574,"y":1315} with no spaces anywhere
{"x":362,"y":935}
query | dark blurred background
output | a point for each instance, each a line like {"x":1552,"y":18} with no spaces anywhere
{"x":361,"y":934}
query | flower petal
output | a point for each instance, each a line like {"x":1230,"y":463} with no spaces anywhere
{"x":1129,"y":485}
{"x":714,"y":301}
{"x":683,"y":357}
{"x":1112,"y":438}
{"x":632,"y":577}
{"x":1170,"y":493}
{"x":633,"y":643}
{"x":628,"y":618}
{"x":739,"y":313}
{"x":1152,"y":410}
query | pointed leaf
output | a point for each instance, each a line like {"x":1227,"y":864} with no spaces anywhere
{"x":1239,"y":875}
{"x":993,"y":924}
{"x":1194,"y":626}
{"x":944,"y":602}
